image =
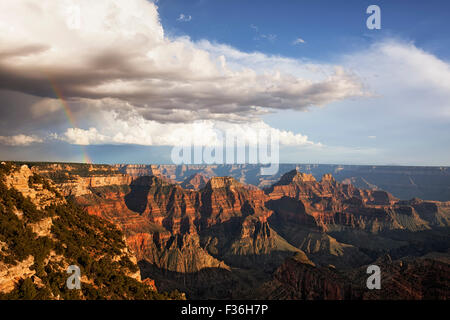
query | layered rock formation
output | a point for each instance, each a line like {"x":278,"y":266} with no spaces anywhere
{"x":335,"y":206}
{"x":221,"y":231}
{"x":166,"y":223}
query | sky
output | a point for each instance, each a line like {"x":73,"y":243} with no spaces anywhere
{"x":115,"y":81}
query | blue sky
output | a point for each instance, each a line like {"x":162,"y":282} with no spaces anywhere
{"x":329,"y":28}
{"x":132,"y":78}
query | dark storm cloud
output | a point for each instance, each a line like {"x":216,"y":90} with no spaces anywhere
{"x":136,"y":64}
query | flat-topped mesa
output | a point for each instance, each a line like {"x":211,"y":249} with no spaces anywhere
{"x":295,"y":176}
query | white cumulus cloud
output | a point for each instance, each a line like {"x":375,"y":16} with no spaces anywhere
{"x":19,"y":140}
{"x":136,"y":130}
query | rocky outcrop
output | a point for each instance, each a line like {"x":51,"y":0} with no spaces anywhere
{"x":11,"y":275}
{"x":41,"y":195}
{"x":43,"y":227}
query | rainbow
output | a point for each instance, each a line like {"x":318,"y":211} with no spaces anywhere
{"x":70,"y":118}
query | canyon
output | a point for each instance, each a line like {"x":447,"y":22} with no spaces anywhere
{"x":300,"y":237}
